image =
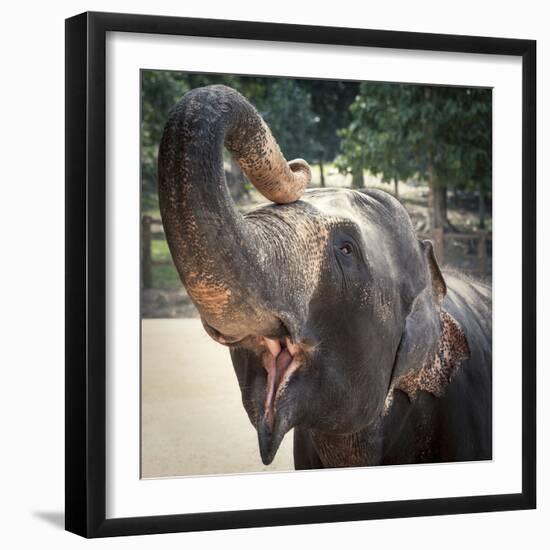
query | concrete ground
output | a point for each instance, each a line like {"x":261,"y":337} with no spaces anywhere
{"x":193,"y":421}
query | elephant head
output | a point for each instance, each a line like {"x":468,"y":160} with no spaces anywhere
{"x":325,"y":297}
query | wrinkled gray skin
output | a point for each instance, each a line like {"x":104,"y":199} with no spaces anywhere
{"x":338,"y":319}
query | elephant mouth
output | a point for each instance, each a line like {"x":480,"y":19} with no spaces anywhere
{"x":281,"y":360}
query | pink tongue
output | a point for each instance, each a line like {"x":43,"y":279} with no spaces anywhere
{"x":275,"y":369}
{"x":283,"y":360}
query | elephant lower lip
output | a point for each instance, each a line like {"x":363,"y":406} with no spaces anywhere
{"x":280,"y":363}
{"x":265,"y":440}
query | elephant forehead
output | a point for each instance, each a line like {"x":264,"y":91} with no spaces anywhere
{"x":346,"y":208}
{"x":335,"y":204}
{"x":319,"y":207}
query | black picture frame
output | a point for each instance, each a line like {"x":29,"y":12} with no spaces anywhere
{"x":86,"y":284}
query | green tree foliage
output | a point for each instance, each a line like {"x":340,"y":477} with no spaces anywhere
{"x":476,"y":155}
{"x":159,"y":91}
{"x":286,"y":107}
{"x":440,"y":134}
{"x":330,"y":101}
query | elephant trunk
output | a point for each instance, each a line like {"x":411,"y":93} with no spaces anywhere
{"x":221,"y":260}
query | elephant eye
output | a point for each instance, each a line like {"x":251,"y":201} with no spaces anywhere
{"x":346,"y":249}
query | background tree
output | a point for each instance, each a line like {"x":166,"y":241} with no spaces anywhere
{"x":286,"y":107}
{"x":330,"y":102}
{"x":159,"y":92}
{"x":476,"y":155}
{"x":433,"y":132}
{"x":374,"y":136}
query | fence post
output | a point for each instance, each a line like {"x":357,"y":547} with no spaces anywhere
{"x":146,"y":268}
{"x":439,"y":245}
{"x":482,"y":252}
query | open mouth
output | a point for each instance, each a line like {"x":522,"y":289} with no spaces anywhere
{"x":280,"y":362}
{"x":281,"y":357}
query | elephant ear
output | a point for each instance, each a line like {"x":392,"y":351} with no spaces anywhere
{"x":432,"y":345}
{"x":439,"y":287}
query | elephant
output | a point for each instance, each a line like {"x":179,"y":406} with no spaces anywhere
{"x":339,"y":322}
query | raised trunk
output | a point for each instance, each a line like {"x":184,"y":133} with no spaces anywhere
{"x":396,"y":187}
{"x":217,"y":253}
{"x":322,"y":172}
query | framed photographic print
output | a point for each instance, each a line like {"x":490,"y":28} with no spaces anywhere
{"x":300,"y":274}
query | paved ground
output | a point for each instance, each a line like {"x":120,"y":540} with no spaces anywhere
{"x":193,"y":421}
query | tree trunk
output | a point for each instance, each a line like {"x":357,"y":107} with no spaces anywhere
{"x":481,"y":207}
{"x":439,"y":206}
{"x":321,"y":170}
{"x":357,"y":177}
{"x":396,"y":187}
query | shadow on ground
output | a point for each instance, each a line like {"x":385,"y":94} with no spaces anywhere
{"x":56,"y":519}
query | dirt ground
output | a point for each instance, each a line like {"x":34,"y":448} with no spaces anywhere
{"x":193,"y":421}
